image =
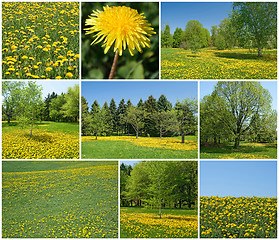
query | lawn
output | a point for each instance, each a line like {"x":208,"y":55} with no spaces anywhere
{"x":50,"y":140}
{"x":141,"y":148}
{"x":242,"y":217}
{"x":218,"y":64}
{"x":40,"y":40}
{"x":59,"y":199}
{"x":145,"y":223}
{"x":245,"y":151}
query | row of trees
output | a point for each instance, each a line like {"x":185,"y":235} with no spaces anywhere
{"x":157,"y":184}
{"x":148,"y":118}
{"x":238,"y":111}
{"x":250,"y":25}
{"x":23,"y":102}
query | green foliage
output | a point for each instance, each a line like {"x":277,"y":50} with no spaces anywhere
{"x":166,"y":37}
{"x":220,"y":42}
{"x":97,"y":65}
{"x":256,"y":21}
{"x":71,"y":107}
{"x":55,"y":107}
{"x":177,"y":37}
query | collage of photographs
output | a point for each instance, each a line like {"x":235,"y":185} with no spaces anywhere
{"x":139,"y":119}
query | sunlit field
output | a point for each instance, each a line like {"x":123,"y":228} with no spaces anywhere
{"x":143,"y":147}
{"x":243,"y":217}
{"x":218,"y":64}
{"x":40,"y":40}
{"x":49,"y":141}
{"x":145,"y":223}
{"x":245,"y":151}
{"x":59,"y":199}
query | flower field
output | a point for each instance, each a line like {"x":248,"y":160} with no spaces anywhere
{"x":153,"y":142}
{"x":49,"y":141}
{"x":40,"y":40}
{"x":80,"y":202}
{"x":148,"y":225}
{"x":218,"y":64}
{"x":243,"y":217}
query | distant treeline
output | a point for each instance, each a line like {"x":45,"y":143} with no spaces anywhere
{"x":250,"y":25}
{"x":148,"y":118}
{"x":156,"y":184}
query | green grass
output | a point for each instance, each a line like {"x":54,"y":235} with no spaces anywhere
{"x":244,"y":151}
{"x":210,"y":63}
{"x":60,"y":199}
{"x":69,"y":128}
{"x":145,"y":223}
{"x":125,"y":150}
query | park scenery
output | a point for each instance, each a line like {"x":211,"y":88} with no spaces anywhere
{"x":238,"y":199}
{"x":124,"y":34}
{"x":219,"y":40}
{"x":37,"y":122}
{"x":40,"y":40}
{"x":158,"y":199}
{"x":59,"y":199}
{"x":238,"y":120}
{"x":130,"y":122}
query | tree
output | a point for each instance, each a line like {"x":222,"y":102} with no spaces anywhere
{"x":150,"y":108}
{"x":11,"y":95}
{"x":84,"y":113}
{"x":55,"y":108}
{"x":135,"y":117}
{"x":227,"y":32}
{"x":121,"y":113}
{"x":177,"y":37}
{"x":242,"y":102}
{"x":214,"y":30}
{"x":163,"y":104}
{"x":205,"y":37}
{"x":194,"y":35}
{"x":95,"y":107}
{"x":71,"y":107}
{"x":113,"y":108}
{"x":47,"y":104}
{"x":108,"y":118}
{"x":97,"y":123}
{"x":257,"y":20}
{"x":166,"y":121}
{"x":31,"y":104}
{"x":220,"y":42}
{"x":185,"y":112}
{"x":166,"y":37}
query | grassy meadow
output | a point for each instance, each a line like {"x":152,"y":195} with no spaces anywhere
{"x":218,"y":64}
{"x":62,"y":199}
{"x":50,"y":140}
{"x":145,"y":223}
{"x":242,"y":217}
{"x":40,"y":40}
{"x":125,"y":147}
{"x":245,"y":151}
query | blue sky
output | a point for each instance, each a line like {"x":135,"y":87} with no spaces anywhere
{"x":134,"y":90}
{"x":207,"y":87}
{"x":132,"y":163}
{"x":56,"y":86}
{"x":238,"y":178}
{"x":178,"y":14}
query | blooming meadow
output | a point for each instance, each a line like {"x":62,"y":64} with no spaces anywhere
{"x":243,"y":217}
{"x":40,"y":40}
{"x":148,"y":225}
{"x":80,"y":202}
{"x":218,"y":64}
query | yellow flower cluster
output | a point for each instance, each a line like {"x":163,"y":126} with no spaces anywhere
{"x":40,"y":40}
{"x":69,"y":203}
{"x":217,"y":64}
{"x":243,"y":217}
{"x":236,"y":156}
{"x":42,"y":145}
{"x":152,"y":142}
{"x":144,"y":225}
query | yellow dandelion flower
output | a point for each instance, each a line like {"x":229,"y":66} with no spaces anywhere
{"x":121,"y":25}
{"x":58,"y":77}
{"x":69,"y":75}
{"x":48,"y":69}
{"x":24,"y":57}
{"x":7,"y":73}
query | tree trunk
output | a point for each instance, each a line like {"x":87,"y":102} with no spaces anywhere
{"x":31,"y":130}
{"x":137,"y":134}
{"x":260,"y":52}
{"x":180,"y":203}
{"x":183,"y":137}
{"x":96,"y":136}
{"x":236,"y":142}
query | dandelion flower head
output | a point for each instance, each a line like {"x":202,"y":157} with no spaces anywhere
{"x":121,"y":25}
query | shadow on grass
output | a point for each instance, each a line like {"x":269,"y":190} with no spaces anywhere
{"x":239,"y":56}
{"x":229,"y":149}
{"x":40,"y":138}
